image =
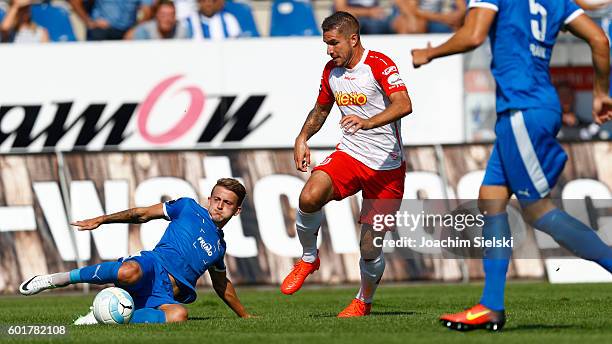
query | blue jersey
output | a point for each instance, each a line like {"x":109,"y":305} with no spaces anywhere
{"x":191,"y":244}
{"x":522,"y":38}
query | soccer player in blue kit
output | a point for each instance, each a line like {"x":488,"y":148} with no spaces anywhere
{"x":161,"y":280}
{"x":526,"y":159}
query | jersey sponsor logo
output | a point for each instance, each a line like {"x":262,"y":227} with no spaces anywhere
{"x":205,"y":246}
{"x":353,"y":98}
{"x":390,"y":70}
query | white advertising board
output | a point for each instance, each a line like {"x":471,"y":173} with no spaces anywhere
{"x":183,"y":94}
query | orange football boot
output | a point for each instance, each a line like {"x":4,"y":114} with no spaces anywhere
{"x":357,"y":308}
{"x":476,"y":317}
{"x":293,"y":282}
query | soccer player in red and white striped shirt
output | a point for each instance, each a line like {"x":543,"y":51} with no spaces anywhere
{"x":372,"y":98}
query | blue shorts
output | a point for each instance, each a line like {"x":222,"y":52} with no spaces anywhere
{"x":154,"y":288}
{"x":526,"y":157}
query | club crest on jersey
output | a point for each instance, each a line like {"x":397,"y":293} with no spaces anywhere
{"x":353,"y":98}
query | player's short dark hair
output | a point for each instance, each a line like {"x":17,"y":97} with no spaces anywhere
{"x":234,"y":186}
{"x":344,"y":22}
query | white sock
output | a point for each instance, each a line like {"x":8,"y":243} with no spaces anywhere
{"x":307,"y":225}
{"x":371,"y":272}
{"x":60,"y":279}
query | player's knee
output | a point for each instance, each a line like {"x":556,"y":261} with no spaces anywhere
{"x":493,"y":199}
{"x":491,"y":206}
{"x":534,"y":211}
{"x":129,"y":273}
{"x":176,"y":314}
{"x":310,"y":200}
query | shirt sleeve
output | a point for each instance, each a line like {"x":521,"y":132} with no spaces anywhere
{"x":572,"y":11}
{"x":326,"y":95}
{"x":172,"y":209}
{"x":490,"y":4}
{"x":386,"y":73}
{"x":219,"y":265}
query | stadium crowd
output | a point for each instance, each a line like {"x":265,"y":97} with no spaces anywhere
{"x":32,"y":21}
{"x":36,"y":21}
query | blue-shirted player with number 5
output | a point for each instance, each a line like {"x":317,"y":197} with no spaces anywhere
{"x":161,"y":280}
{"x":526,"y":159}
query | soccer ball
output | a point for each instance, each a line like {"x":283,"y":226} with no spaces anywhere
{"x":113,"y":306}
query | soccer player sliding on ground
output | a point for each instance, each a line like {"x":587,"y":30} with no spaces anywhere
{"x":527,"y":158}
{"x":372,"y":98}
{"x":161,"y":280}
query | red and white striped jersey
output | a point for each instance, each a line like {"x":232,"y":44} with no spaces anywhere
{"x":364,"y":91}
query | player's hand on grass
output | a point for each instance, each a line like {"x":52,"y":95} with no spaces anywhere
{"x":421,"y":56}
{"x":87,"y":225}
{"x":352,"y":123}
{"x":602,"y":109}
{"x":301,"y":155}
{"x":249,"y":316}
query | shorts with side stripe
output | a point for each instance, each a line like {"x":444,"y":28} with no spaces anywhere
{"x":526,"y":157}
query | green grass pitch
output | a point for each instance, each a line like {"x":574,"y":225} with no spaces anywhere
{"x":537,"y":312}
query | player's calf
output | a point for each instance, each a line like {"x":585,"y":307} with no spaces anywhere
{"x":126,"y":273}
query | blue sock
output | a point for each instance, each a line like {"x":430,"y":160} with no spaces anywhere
{"x":495,"y":262}
{"x":575,"y":236}
{"x":148,"y":315}
{"x":96,"y":274}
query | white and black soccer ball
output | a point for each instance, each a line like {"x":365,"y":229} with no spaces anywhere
{"x":113,"y":306}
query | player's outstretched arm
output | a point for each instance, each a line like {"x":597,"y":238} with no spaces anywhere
{"x":453,"y":18}
{"x":470,"y":36}
{"x":225,"y":290}
{"x":313,"y":123}
{"x":593,"y":5}
{"x":400,"y":106}
{"x":586,"y":29}
{"x":133,"y":215}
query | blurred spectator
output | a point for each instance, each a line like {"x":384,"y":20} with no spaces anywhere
{"x":572,"y":126}
{"x":185,"y":8}
{"x":431,"y":16}
{"x":213,"y":22}
{"x":164,"y":26}
{"x":18,"y":27}
{"x":373,"y":19}
{"x":111,"y":19}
